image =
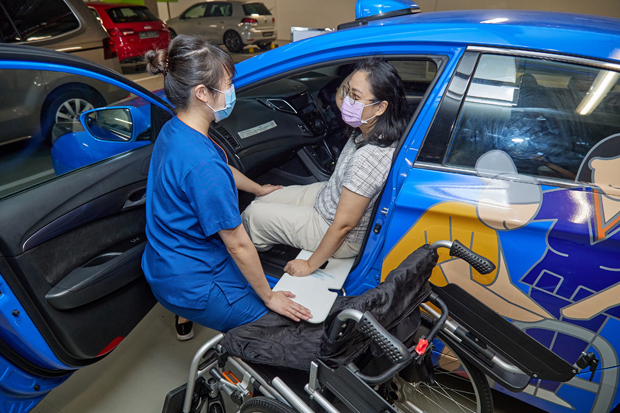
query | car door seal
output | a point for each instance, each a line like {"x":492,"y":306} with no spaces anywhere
{"x":22,"y":363}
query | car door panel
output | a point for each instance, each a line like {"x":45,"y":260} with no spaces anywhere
{"x":76,"y":239}
{"x":84,"y":218}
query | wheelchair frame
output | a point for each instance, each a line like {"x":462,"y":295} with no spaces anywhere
{"x":348,"y":384}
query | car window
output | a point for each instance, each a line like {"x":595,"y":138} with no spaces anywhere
{"x":218,"y":10}
{"x":41,"y":136}
{"x":32,"y":20}
{"x":256,"y":8}
{"x":226,"y":9}
{"x":195,"y":12}
{"x":546,"y":115}
{"x":131,"y":15}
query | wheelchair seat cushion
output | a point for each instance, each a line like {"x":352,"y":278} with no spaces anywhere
{"x":279,"y":341}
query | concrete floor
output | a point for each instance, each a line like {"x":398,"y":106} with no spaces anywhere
{"x":136,"y":376}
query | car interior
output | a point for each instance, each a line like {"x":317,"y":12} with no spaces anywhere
{"x":296,"y":132}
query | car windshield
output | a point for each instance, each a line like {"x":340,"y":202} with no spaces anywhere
{"x":131,"y":15}
{"x":256,"y":8}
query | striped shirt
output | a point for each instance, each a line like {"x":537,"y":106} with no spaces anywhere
{"x":363,"y":171}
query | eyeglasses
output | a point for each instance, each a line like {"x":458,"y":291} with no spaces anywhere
{"x":346,"y":91}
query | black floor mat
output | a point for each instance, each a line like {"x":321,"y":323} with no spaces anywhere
{"x":276,"y":258}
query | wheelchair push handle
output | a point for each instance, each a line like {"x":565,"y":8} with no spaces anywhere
{"x":457,"y":249}
{"x":396,"y":351}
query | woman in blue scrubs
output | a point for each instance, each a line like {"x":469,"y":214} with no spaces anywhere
{"x":199,"y":261}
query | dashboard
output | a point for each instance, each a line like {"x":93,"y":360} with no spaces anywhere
{"x":270,"y":123}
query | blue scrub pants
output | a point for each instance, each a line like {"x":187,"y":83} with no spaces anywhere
{"x":219,"y":314}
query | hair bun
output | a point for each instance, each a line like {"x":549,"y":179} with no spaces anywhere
{"x":156,"y":61}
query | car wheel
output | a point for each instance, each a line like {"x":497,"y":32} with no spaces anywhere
{"x":233,"y":41}
{"x":66,"y":105}
{"x":265,"y":46}
{"x":173,"y":34}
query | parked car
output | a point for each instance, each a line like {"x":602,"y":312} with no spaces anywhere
{"x":63,"y":25}
{"x":133,"y":29}
{"x":234,"y":24}
{"x":51,"y":96}
{"x":512,"y":148}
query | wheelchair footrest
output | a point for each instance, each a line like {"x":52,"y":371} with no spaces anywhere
{"x":174,"y":400}
{"x":512,"y":344}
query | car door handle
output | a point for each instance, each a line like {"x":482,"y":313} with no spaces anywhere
{"x":135,"y":199}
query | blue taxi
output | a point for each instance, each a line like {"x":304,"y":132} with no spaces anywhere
{"x":512,"y":147}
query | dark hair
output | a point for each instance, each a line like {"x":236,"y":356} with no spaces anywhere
{"x":385,"y":84}
{"x":189,"y":61}
{"x":606,"y":148}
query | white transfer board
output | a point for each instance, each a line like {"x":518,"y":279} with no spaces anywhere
{"x":313,"y":291}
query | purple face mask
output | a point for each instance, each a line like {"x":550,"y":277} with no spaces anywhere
{"x":352,"y":112}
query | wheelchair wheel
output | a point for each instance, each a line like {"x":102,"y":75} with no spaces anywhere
{"x":265,"y":405}
{"x":459,"y":386}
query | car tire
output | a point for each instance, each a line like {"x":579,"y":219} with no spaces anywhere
{"x":173,"y":34}
{"x":233,"y":41}
{"x":265,"y":46}
{"x":67,"y":104}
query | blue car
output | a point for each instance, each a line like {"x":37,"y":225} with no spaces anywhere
{"x":512,"y":147}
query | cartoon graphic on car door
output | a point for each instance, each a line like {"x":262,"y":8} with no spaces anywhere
{"x":574,"y":285}
{"x":520,"y":165}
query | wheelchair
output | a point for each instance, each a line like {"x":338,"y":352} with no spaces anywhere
{"x":405,"y":346}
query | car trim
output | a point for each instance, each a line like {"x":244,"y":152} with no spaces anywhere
{"x":26,"y":365}
{"x":80,"y":50}
{"x":539,"y":180}
{"x":546,"y":56}
{"x":96,"y":209}
{"x":438,"y":136}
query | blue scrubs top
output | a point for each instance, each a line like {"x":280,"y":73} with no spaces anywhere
{"x":190,"y":196}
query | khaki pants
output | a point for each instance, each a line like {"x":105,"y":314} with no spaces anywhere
{"x":287,"y":216}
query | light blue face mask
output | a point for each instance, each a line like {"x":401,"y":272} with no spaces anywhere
{"x":231,"y":98}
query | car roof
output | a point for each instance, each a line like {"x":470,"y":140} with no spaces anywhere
{"x":566,"y":33}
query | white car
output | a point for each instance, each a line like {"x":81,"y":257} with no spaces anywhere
{"x":234,"y":24}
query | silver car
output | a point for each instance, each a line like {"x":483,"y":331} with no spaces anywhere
{"x":33,"y":101}
{"x":234,"y":24}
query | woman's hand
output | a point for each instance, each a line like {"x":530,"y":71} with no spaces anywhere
{"x":298,"y":268}
{"x":244,"y":183}
{"x":267,"y":189}
{"x":281,"y":303}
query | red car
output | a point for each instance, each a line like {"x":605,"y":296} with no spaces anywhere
{"x":133,"y":29}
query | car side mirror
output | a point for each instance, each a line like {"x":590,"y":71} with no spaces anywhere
{"x":115,"y":124}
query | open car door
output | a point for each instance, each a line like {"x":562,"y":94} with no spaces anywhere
{"x":72,"y":218}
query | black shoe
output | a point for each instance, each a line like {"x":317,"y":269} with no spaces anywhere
{"x":185,"y":331}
